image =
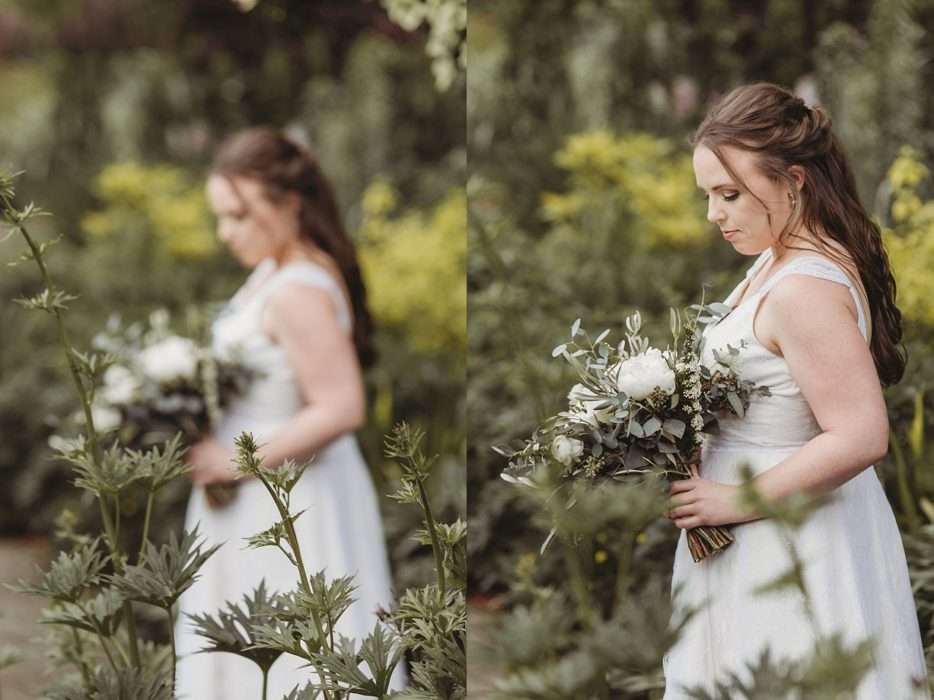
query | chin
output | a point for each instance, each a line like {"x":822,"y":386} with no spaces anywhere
{"x":744,"y":248}
{"x":249,"y":261}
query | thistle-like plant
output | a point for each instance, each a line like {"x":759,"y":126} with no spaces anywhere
{"x":70,"y":576}
{"x":236,"y":629}
{"x":163,"y":574}
{"x":92,"y":590}
{"x":429,"y":622}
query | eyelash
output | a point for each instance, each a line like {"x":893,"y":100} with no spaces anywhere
{"x":726,"y":197}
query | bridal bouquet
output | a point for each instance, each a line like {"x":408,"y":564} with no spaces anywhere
{"x":161,"y":384}
{"x":638,"y":411}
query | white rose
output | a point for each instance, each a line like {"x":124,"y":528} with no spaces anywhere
{"x":105,"y":418}
{"x":169,"y":359}
{"x":566,"y":449}
{"x":120,"y":385}
{"x":642,"y":374}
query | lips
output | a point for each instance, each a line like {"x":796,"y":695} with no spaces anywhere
{"x":729,"y":233}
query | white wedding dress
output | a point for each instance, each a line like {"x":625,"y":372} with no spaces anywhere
{"x":854,"y":562}
{"x":340,"y":531}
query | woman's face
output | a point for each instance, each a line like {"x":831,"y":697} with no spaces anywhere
{"x":742,"y":219}
{"x":250,"y":225}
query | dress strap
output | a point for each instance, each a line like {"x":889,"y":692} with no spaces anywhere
{"x":821,"y":268}
{"x":750,"y":273}
{"x":311,"y":274}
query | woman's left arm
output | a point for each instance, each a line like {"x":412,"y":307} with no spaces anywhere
{"x":812,"y":324}
{"x":303,"y":321}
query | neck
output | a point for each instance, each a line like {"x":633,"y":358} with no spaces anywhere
{"x":799,"y":241}
{"x":292,"y":252}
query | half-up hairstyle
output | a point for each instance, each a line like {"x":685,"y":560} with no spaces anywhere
{"x":282,"y":166}
{"x":783,"y":131}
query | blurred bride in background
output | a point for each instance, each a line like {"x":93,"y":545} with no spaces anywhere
{"x":301,"y":320}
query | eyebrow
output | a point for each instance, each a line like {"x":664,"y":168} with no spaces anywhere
{"x":726,"y":186}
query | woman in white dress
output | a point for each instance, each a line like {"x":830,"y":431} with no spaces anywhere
{"x":301,"y":320}
{"x":817,"y":317}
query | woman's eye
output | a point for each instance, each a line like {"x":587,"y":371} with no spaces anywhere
{"x":731,"y":196}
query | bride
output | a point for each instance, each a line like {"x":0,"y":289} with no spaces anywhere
{"x":301,"y":320}
{"x":817,"y":316}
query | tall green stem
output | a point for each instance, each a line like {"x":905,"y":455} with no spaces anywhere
{"x":82,"y":666}
{"x":435,"y":540}
{"x":88,"y":417}
{"x":303,"y":575}
{"x":145,"y":537}
{"x":265,"y":682}
{"x":100,"y":636}
{"x":66,"y":345}
{"x":174,"y":652}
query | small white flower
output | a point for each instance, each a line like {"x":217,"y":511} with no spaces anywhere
{"x":566,"y":450}
{"x":697,"y":422}
{"x":584,"y":402}
{"x":105,"y":418}
{"x":120,"y":385}
{"x":169,"y":359}
{"x":642,"y":374}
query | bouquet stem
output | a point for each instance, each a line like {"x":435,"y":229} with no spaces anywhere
{"x":706,"y":540}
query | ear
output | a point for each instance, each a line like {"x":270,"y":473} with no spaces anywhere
{"x":797,"y":175}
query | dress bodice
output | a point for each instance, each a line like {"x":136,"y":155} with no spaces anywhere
{"x":273,"y":395}
{"x":783,"y":419}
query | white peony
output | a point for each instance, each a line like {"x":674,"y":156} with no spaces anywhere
{"x":120,"y":385}
{"x":170,"y":359}
{"x":566,"y":449}
{"x":642,"y":374}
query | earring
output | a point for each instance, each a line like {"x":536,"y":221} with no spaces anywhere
{"x":794,"y":200}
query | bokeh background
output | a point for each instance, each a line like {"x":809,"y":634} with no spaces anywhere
{"x":112,"y":109}
{"x":583,"y":205}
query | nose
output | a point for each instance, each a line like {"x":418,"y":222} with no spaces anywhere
{"x":714,"y":211}
{"x":224,"y":231}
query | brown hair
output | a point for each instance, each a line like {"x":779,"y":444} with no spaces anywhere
{"x":283,"y":166}
{"x":783,"y":131}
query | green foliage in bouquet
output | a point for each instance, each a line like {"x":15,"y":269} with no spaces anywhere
{"x":639,"y":412}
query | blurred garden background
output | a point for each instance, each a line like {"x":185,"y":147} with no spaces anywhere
{"x":582,"y":204}
{"x":112,"y":110}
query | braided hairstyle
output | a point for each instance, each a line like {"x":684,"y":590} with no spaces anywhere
{"x":284,"y":167}
{"x":782,"y":131}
